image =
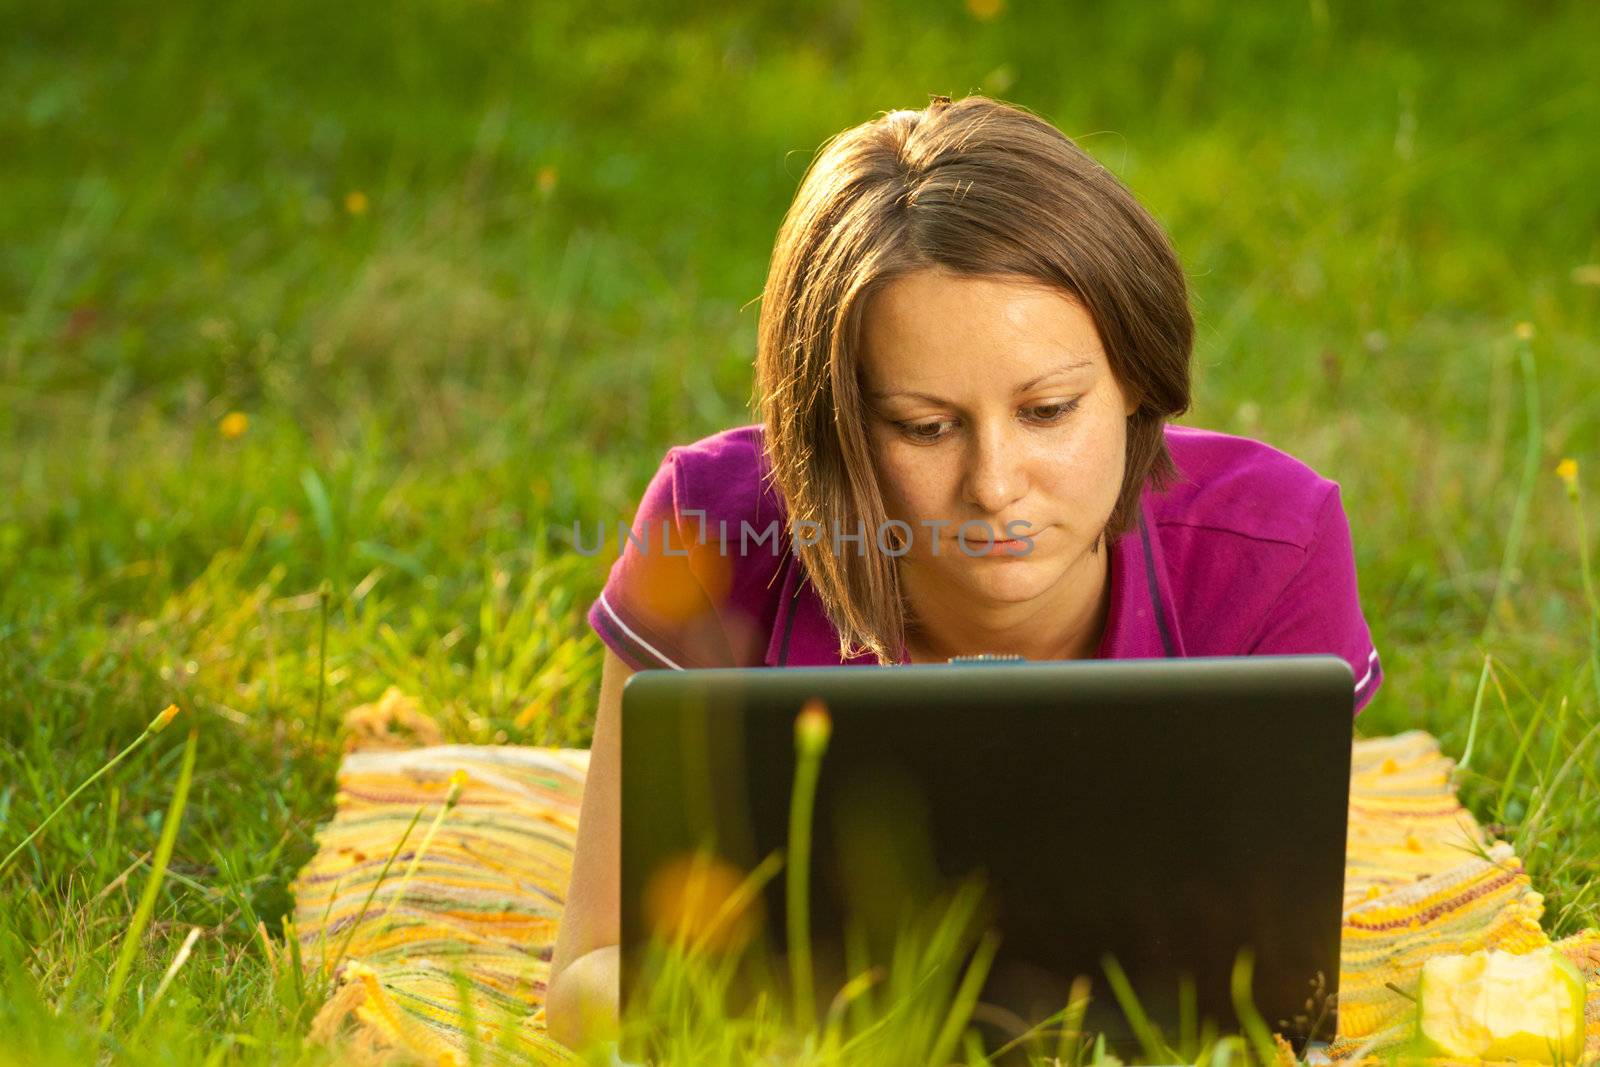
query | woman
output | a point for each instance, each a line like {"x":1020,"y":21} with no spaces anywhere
{"x":970,"y":331}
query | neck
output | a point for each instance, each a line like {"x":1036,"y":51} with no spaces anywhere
{"x":1065,"y":621}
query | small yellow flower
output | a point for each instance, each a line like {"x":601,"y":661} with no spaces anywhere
{"x":1567,"y":471}
{"x":1525,"y":331}
{"x":160,"y":722}
{"x":458,"y":782}
{"x":985,"y":10}
{"x":234,"y":424}
{"x":356,"y":202}
{"x":547,"y":179}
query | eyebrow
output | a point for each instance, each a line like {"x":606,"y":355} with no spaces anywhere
{"x":1022,"y":388}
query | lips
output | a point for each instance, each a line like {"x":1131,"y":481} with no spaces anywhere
{"x":975,"y":534}
{"x":1010,"y":547}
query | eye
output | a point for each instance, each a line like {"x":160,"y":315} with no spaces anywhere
{"x":1054,"y":412}
{"x":921,"y":431}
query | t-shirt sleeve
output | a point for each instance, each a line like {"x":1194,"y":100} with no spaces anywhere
{"x":658,"y":608}
{"x":1319,"y":609}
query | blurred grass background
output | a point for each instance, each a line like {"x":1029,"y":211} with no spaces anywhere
{"x":467,"y":269}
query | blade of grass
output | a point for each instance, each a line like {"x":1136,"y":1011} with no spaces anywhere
{"x":736,"y":902}
{"x":1530,"y":472}
{"x":324,"y":591}
{"x":344,"y":945}
{"x":862,"y":1007}
{"x":458,"y":781}
{"x":1555,"y":741}
{"x":158,"y":869}
{"x":469,"y":1015}
{"x":1524,"y":738}
{"x":1188,"y":1014}
{"x":1567,"y":469}
{"x":157,"y":724}
{"x":1149,"y":1036}
{"x":178,"y":961}
{"x":1071,"y":1036}
{"x":296,"y":965}
{"x":1477,"y":706}
{"x":966,"y":996}
{"x":1036,"y":1030}
{"x":811,"y":730}
{"x":1535,"y":824}
{"x":1255,"y":1027}
{"x":901,"y":1006}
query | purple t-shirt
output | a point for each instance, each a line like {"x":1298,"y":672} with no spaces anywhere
{"x":1248,"y":553}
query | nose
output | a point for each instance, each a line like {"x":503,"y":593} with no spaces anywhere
{"x":995,"y":477}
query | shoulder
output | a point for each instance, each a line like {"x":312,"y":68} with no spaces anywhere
{"x":1236,"y":485}
{"x":1254,"y":550}
{"x":702,"y":591}
{"x":734,"y":450}
{"x":1257,"y":555}
{"x":725,"y":475}
{"x":725,"y":501}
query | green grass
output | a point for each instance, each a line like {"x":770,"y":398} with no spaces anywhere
{"x":568,"y":216}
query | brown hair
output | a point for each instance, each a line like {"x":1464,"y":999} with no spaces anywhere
{"x":977,"y":187}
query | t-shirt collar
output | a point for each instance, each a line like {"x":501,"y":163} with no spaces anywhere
{"x":1140,"y":623}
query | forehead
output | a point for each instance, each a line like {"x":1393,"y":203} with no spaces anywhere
{"x":938,"y":321}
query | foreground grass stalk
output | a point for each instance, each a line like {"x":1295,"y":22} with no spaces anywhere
{"x":173,"y":968}
{"x":1477,"y":706}
{"x":1150,"y":1040}
{"x":1530,"y":470}
{"x":1256,"y":1036}
{"x":966,"y":998}
{"x":344,"y":945}
{"x":1567,"y":470}
{"x":152,"y":888}
{"x":324,"y":591}
{"x":1050,"y":1024}
{"x":812,"y":728}
{"x":736,"y":904}
{"x":458,"y":781}
{"x":157,"y":724}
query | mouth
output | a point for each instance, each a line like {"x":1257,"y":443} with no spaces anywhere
{"x":1008,"y":548}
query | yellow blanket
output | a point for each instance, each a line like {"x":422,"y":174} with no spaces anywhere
{"x":457,"y":940}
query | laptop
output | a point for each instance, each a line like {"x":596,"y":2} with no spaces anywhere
{"x":1166,"y":815}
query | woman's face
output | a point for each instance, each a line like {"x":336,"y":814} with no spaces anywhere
{"x":990,"y":401}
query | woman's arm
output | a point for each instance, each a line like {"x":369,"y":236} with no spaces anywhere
{"x":581,"y":998}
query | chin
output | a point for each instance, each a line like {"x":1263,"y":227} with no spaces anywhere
{"x":1013,"y":581}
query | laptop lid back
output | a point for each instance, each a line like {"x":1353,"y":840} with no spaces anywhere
{"x":1164,"y":813}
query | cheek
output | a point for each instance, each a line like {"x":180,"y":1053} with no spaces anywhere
{"x":913,"y":481}
{"x":905,"y":489}
{"x":1086,"y":468}
{"x":1111,"y":458}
